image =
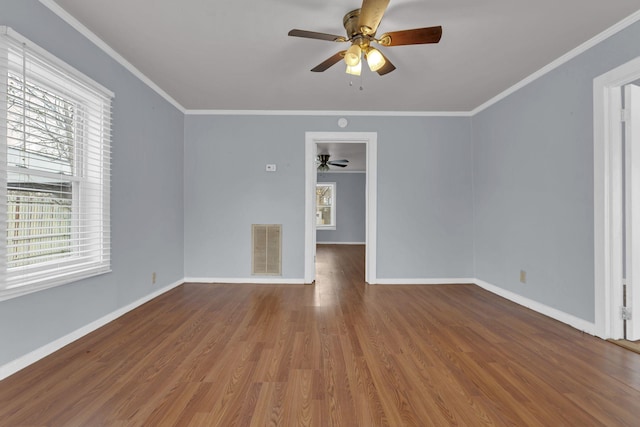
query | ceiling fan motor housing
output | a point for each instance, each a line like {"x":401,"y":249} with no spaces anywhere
{"x":356,"y":34}
{"x":361,"y":26}
{"x":350,"y":23}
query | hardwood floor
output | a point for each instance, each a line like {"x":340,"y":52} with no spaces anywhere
{"x":629,"y":345}
{"x":336,"y":353}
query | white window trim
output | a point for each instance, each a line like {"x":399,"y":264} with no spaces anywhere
{"x":67,"y":271}
{"x":334,"y":201}
{"x":8,"y":31}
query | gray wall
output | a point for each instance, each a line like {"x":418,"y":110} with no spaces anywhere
{"x":146,"y":195}
{"x":424,"y":192}
{"x":350,"y":208}
{"x":533,"y":182}
{"x":515,"y":181}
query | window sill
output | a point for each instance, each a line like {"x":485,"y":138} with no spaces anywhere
{"x":18,"y":291}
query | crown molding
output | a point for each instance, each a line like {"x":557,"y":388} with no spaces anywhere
{"x":327,"y":113}
{"x":64,"y":15}
{"x":78,"y":26}
{"x":616,"y":28}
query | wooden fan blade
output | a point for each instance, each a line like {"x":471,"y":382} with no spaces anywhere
{"x":339,"y":161}
{"x":317,"y":36}
{"x":416,"y":36}
{"x":337,"y":164}
{"x":387,"y":67}
{"x":329,"y":62}
{"x":371,"y":14}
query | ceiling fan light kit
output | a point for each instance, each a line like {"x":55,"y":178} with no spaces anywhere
{"x":374,"y":59}
{"x":354,"y":70}
{"x":361,"y":26}
{"x":352,"y":57}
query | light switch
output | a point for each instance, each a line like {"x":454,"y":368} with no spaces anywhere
{"x":271,"y":168}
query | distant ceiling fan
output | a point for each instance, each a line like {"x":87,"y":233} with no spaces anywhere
{"x":324,"y":162}
{"x":361,"y":25}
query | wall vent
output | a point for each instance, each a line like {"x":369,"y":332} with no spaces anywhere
{"x":266,"y":254}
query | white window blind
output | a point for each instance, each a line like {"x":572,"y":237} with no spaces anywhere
{"x":55,"y":157}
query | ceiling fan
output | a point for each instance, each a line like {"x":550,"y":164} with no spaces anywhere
{"x":324,"y":162}
{"x":361,"y":26}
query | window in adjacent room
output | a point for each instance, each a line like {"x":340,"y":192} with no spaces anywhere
{"x":55,"y":157}
{"x":326,"y":206}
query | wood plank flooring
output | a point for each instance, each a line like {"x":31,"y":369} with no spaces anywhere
{"x":336,"y":353}
{"x":629,"y":345}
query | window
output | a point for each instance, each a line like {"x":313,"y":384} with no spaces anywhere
{"x":326,"y":206}
{"x":55,"y":139}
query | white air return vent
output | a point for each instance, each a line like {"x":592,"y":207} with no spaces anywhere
{"x":266,"y":243}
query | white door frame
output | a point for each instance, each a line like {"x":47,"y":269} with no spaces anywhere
{"x":371,"y":217}
{"x":632,"y":206}
{"x":608,"y":196}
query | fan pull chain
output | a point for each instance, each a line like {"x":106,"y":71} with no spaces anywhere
{"x":361,"y":84}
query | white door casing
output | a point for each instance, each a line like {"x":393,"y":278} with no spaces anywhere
{"x":608,"y":197}
{"x":632,"y":206}
{"x":371,"y":141}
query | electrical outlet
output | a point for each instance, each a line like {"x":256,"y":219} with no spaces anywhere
{"x":153,"y":278}
{"x":523,"y":276}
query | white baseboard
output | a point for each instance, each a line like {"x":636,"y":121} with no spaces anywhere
{"x":423,"y":281}
{"x":248,"y":280}
{"x":32,"y":357}
{"x":575,"y":322}
{"x":340,"y":243}
{"x":580,"y":324}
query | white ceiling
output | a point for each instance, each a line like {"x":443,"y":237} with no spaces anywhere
{"x":236,"y":55}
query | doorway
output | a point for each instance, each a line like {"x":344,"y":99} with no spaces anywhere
{"x":312,"y":139}
{"x":616,"y":228}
